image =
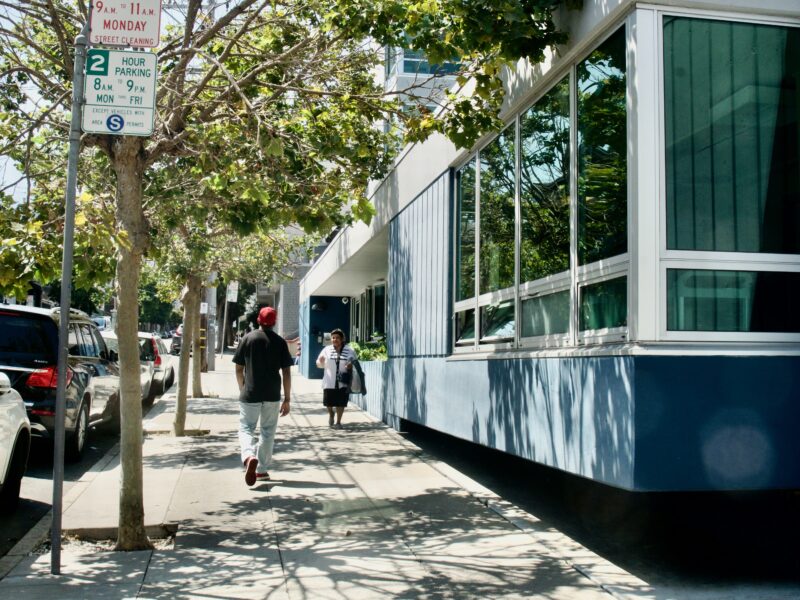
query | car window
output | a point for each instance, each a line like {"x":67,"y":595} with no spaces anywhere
{"x":100,"y":342}
{"x":145,"y":350}
{"x":26,"y":338}
{"x":89,"y":347}
{"x":74,"y":341}
{"x":112,"y":344}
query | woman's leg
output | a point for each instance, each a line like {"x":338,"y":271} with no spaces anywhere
{"x":339,"y":412}
{"x":330,"y":415}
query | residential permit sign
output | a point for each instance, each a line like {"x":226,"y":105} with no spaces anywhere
{"x":125,"y":23}
{"x":120,"y":92}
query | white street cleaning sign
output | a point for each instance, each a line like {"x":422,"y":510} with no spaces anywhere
{"x":120,"y":92}
{"x":125,"y":23}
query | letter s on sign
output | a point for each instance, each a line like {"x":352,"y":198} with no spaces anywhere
{"x":115,"y":123}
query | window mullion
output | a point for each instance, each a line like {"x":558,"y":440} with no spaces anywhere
{"x":517,"y":229}
{"x":477,"y":248}
{"x":573,"y":205}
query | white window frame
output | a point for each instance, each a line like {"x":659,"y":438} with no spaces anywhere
{"x":707,"y":260}
{"x":577,"y":276}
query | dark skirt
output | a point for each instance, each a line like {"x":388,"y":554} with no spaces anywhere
{"x":338,"y":397}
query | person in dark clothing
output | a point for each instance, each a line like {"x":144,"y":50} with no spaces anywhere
{"x":262,"y":362}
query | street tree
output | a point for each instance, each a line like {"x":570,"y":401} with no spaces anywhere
{"x":289,"y":84}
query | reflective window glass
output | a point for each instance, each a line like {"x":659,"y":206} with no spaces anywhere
{"x":545,"y":315}
{"x":704,"y":300}
{"x":74,"y":342}
{"x":465,"y":327}
{"x":604,"y":305}
{"x":732,"y":103}
{"x":602,"y":152}
{"x":497,"y":213}
{"x":544,"y":185}
{"x":497,"y":321}
{"x":89,"y":348}
{"x":465,"y":237}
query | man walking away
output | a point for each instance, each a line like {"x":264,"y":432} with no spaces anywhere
{"x":262,"y":360}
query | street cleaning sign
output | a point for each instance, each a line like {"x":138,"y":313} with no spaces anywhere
{"x":125,"y":23}
{"x":120,"y":92}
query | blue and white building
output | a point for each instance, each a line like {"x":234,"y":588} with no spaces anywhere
{"x":611,"y":285}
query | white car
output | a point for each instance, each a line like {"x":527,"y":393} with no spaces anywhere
{"x":15,"y":441}
{"x":146,"y":367}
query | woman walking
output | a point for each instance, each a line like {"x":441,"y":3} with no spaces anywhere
{"x":337,"y":360}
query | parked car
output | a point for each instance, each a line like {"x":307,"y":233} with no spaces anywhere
{"x":163,"y":362}
{"x":15,"y":441}
{"x":146,"y":366}
{"x":29,"y":357}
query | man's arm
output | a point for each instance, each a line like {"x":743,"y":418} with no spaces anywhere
{"x":240,"y":376}
{"x":286,"y":373}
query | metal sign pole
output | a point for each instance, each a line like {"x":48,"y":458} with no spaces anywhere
{"x":224,"y":326}
{"x":66,"y":292}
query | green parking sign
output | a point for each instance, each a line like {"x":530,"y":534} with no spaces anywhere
{"x":119,"y":92}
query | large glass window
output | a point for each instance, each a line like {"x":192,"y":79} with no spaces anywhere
{"x":465,"y":327}
{"x":602,"y":152}
{"x":415,"y":61}
{"x":604,"y":305}
{"x":731,"y":104}
{"x":544,"y":185}
{"x":545,"y":315}
{"x":705,"y":300}
{"x":519,"y":221}
{"x":465,"y":235}
{"x":497,"y":322}
{"x":497,"y":185}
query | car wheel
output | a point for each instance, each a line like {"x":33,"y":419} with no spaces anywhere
{"x":9,"y":496}
{"x":77,"y":440}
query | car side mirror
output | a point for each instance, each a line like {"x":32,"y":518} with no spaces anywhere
{"x":113,"y":356}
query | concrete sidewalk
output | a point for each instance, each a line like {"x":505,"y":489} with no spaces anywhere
{"x":352,"y":513}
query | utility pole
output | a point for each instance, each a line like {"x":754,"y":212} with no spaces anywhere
{"x":81,"y":41}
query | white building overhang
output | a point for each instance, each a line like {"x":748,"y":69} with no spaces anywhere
{"x":358,"y":256}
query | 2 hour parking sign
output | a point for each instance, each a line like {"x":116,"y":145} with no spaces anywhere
{"x":120,"y":91}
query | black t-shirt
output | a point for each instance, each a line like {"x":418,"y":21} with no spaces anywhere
{"x":263,"y":354}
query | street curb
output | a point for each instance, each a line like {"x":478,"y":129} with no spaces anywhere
{"x":40,"y":532}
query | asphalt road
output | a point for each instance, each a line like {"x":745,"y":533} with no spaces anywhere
{"x":37,"y":486}
{"x":668,"y":539}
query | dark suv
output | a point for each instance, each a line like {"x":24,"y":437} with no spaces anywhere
{"x":29,"y":356}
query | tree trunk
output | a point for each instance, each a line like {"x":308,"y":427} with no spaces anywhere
{"x":133,"y":238}
{"x":191,"y":308}
{"x":197,"y":351}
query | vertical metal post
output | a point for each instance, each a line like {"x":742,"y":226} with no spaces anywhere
{"x":211,"y":337}
{"x":81,"y":42}
{"x":224,"y":326}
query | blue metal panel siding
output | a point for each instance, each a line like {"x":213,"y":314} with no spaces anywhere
{"x":574,"y":414}
{"x":655,"y":423}
{"x":375,"y":376}
{"x":717,"y":422}
{"x":419,"y":266}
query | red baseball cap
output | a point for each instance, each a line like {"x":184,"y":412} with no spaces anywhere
{"x":267,"y":316}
